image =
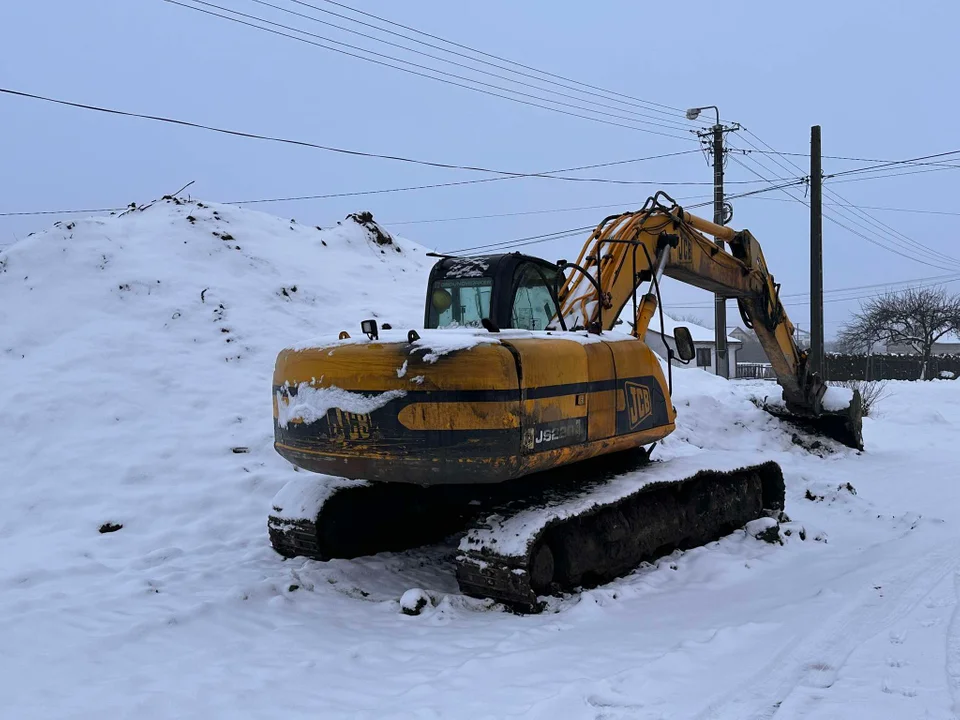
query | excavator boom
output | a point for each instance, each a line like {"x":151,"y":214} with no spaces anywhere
{"x":663,"y":239}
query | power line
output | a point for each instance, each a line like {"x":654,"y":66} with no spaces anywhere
{"x":357,"y":193}
{"x":528,"y":240}
{"x":541,"y":211}
{"x":676,"y":125}
{"x":942,"y":281}
{"x":90,"y":211}
{"x":653,"y":106}
{"x":891,"y":163}
{"x":753,"y":149}
{"x":560,"y":234}
{"x":407,"y":62}
{"x":329,"y":148}
{"x":877,"y":207}
{"x":892,"y":174}
{"x":852,"y":210}
{"x":545,"y":211}
{"x":460,"y":182}
{"x":846,"y":209}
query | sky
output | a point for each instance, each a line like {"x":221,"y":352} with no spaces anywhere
{"x":872,"y":74}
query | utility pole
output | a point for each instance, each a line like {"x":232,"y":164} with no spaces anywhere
{"x":816,"y":254}
{"x":722,"y":213}
{"x":719,"y":301}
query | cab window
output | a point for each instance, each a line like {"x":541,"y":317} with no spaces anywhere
{"x":533,"y":304}
{"x":459,"y":302}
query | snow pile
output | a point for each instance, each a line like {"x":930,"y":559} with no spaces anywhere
{"x":837,"y":399}
{"x":136,"y":364}
{"x":413,"y":601}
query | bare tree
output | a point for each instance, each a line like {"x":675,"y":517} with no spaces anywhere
{"x":917,"y":317}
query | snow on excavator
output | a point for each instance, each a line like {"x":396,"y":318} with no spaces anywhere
{"x":517,"y":418}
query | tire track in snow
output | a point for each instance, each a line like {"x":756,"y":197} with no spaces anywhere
{"x":953,"y":650}
{"x":818,"y":658}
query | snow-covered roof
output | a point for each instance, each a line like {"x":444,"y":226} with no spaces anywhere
{"x":697,"y":332}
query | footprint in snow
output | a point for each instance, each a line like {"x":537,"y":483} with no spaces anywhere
{"x":887,"y":687}
{"x":819,"y":675}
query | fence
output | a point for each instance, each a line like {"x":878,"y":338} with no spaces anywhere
{"x":755,"y":371}
{"x":866,"y":367}
{"x":888,"y":367}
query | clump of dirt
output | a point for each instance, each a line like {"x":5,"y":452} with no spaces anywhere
{"x":377,"y":233}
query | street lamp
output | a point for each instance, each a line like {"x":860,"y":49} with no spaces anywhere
{"x":694,"y":113}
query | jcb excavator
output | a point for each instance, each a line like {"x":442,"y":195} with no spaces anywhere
{"x":492,"y":420}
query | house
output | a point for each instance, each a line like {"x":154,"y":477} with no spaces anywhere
{"x":751,"y":351}
{"x":703,"y":341}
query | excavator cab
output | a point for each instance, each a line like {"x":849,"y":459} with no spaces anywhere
{"x":495,"y":291}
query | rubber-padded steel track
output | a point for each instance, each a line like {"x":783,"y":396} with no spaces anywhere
{"x":367,"y":518}
{"x":610,"y":539}
{"x":374,"y":517}
{"x":586,"y":548}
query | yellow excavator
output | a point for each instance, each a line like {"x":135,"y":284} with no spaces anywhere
{"x":519,"y":417}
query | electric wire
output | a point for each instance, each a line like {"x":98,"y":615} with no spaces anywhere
{"x":652,"y":106}
{"x":329,"y":148}
{"x":891,"y":174}
{"x":872,"y":238}
{"x":419,"y":73}
{"x":845,"y":206}
{"x":753,"y":149}
{"x":798,"y":300}
{"x":850,"y":214}
{"x":676,"y":125}
{"x":879,"y":207}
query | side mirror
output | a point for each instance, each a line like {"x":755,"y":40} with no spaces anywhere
{"x":369,"y":328}
{"x":685,"y":348}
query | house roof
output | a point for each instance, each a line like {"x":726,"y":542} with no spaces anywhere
{"x":697,"y":332}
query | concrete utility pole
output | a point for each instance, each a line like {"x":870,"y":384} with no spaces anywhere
{"x":816,"y":254}
{"x":722,"y":213}
{"x":719,"y":301}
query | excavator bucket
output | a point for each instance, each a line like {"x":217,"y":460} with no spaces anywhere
{"x":840,"y":417}
{"x":846,"y":424}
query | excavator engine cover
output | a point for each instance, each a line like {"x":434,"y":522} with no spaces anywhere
{"x":466,"y":406}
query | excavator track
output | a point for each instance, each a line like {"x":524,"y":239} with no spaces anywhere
{"x":542,"y":535}
{"x":325,"y":517}
{"x":348,"y":519}
{"x":568,"y":540}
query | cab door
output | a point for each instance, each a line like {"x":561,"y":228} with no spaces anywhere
{"x":574,"y":382}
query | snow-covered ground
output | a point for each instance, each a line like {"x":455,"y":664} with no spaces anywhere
{"x":135,"y":361}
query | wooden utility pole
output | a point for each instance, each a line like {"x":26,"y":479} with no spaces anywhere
{"x":816,"y":254}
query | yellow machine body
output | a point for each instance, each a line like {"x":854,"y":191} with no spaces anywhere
{"x":494,"y":410}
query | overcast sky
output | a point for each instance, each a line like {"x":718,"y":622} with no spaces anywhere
{"x":877,"y":76}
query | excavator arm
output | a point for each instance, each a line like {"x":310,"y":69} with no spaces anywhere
{"x":631,"y":248}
